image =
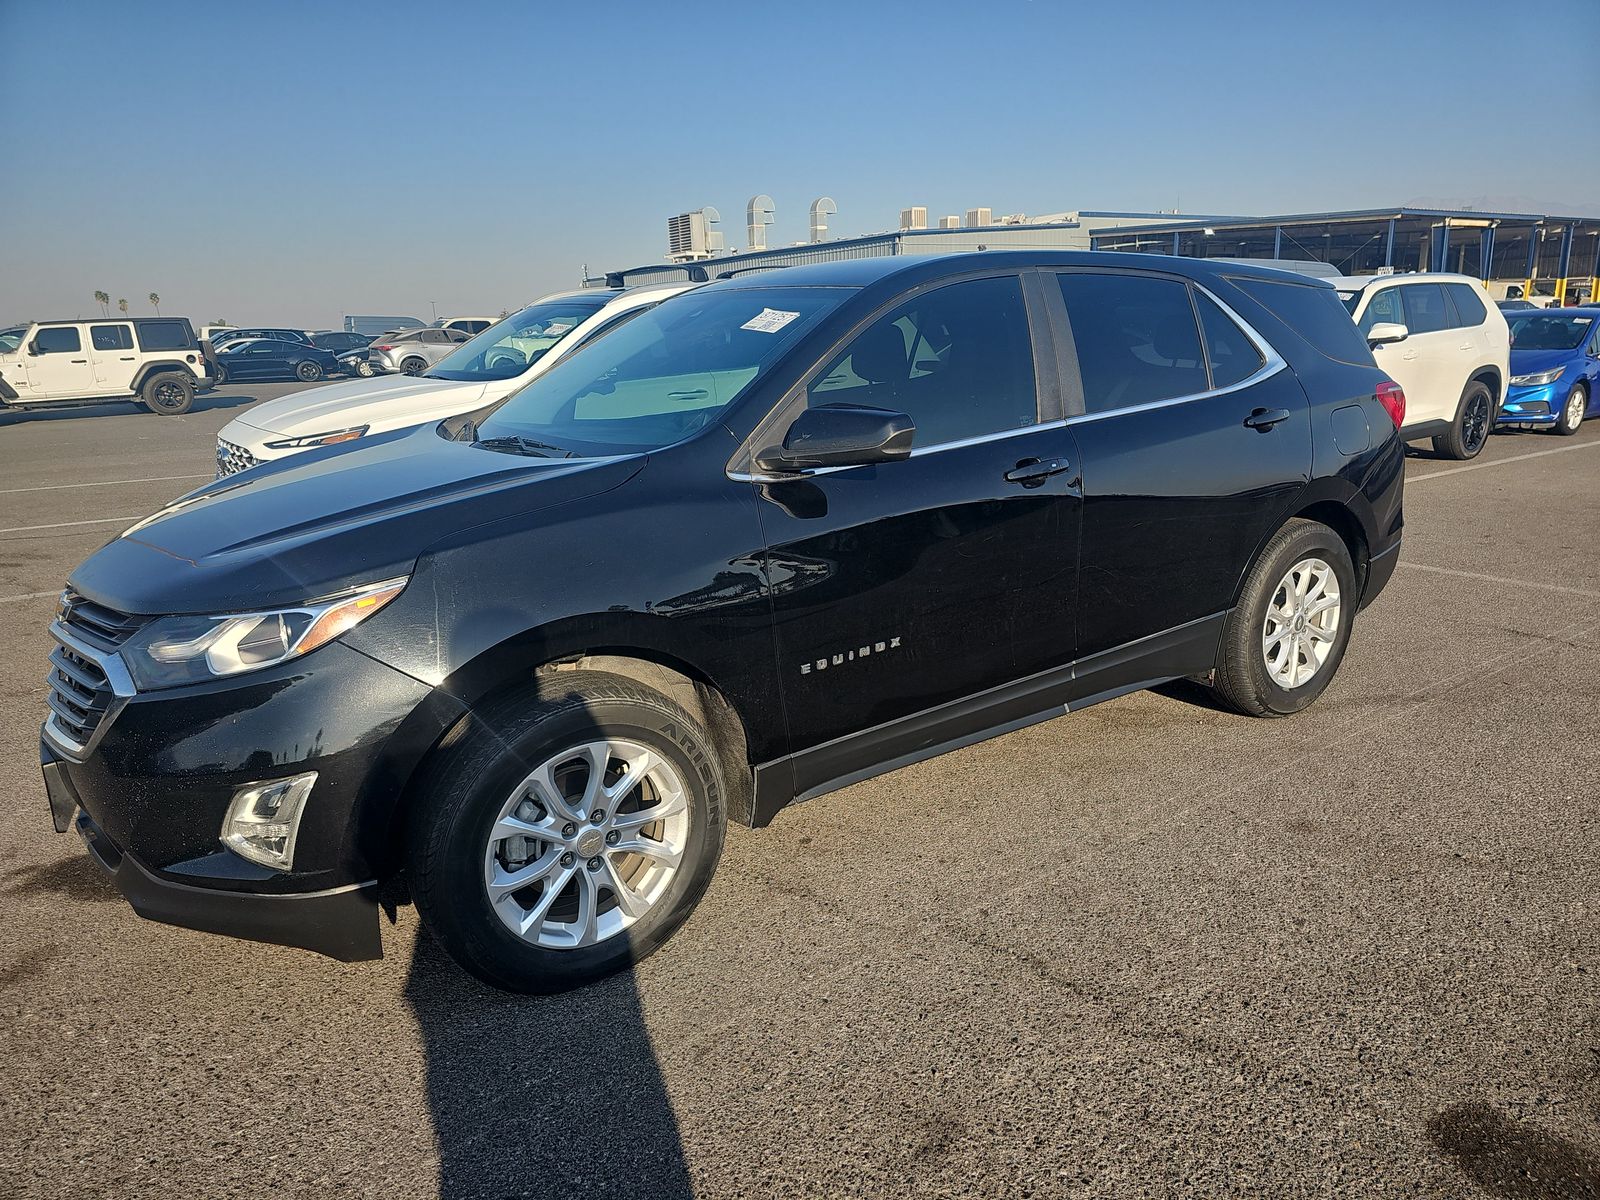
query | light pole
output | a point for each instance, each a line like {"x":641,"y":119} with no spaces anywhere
{"x":434,"y":305}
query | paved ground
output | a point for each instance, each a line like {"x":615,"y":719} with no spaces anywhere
{"x":1151,"y":949}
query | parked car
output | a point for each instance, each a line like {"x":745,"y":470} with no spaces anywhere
{"x":338,"y":342}
{"x":215,"y":333}
{"x":380,"y":325}
{"x":490,"y":367}
{"x":1442,"y":340}
{"x":275,"y":334}
{"x":1555,"y":369}
{"x":357,"y":362}
{"x":271,"y":358}
{"x":1514,"y":305}
{"x":413,"y":352}
{"x":469,"y":325}
{"x":771,"y":537}
{"x":155,"y":360}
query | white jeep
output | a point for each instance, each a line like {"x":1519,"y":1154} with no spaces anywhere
{"x":153,"y":360}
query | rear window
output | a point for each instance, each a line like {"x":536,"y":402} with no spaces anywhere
{"x":165,"y":335}
{"x":111,"y":337}
{"x":1315,"y":313}
{"x":1469,"y":309}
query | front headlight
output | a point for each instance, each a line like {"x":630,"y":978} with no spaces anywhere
{"x":176,"y":650}
{"x":319,"y":439}
{"x":1538,"y":378}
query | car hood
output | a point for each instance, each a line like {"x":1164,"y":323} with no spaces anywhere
{"x":1531,"y":362}
{"x":390,"y":402}
{"x":316,"y":523}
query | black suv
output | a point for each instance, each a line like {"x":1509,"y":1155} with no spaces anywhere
{"x":774,"y":536}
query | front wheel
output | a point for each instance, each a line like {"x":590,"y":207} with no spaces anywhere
{"x":1286,"y":637}
{"x":308,"y":372}
{"x":364,"y":369}
{"x":1572,"y":411}
{"x":568,"y":834}
{"x":1470,"y":430}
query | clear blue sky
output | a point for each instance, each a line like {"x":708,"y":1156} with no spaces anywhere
{"x":288,"y":162}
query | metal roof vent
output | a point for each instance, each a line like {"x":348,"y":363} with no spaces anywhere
{"x":758,"y":215}
{"x":914,"y":218}
{"x":821,"y":208}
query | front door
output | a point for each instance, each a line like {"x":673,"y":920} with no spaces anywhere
{"x":902,"y":587}
{"x":57,"y":363}
{"x":1429,"y":365}
{"x":1194,"y":438}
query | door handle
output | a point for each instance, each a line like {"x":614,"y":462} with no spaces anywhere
{"x":80,"y":360}
{"x":1409,"y":355}
{"x":1031,"y":472}
{"x":1264,"y":419}
{"x":128,"y":358}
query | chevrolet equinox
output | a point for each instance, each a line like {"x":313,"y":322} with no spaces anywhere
{"x":776,"y":535}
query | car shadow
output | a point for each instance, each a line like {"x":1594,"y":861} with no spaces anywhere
{"x":543,"y":1096}
{"x":115,"y":408}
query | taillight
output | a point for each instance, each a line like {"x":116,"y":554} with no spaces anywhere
{"x":1393,"y":399}
{"x":383,"y":347}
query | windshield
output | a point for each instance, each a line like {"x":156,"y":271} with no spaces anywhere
{"x":511,"y":346}
{"x":662,"y":376}
{"x":1543,"y":331}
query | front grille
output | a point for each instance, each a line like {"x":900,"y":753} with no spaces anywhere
{"x":232,"y":459}
{"x":81,"y":692}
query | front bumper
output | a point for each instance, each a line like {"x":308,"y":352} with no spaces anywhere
{"x":151,"y":795}
{"x":1530,"y":406}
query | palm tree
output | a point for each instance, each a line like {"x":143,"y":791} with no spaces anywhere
{"x":123,"y":305}
{"x":103,"y":299}
{"x":155,"y":302}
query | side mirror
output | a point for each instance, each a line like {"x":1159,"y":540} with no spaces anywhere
{"x":33,"y":347}
{"x":841,"y":435}
{"x":1385,"y":332}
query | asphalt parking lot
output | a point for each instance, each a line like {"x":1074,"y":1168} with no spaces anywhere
{"x":1149,"y":949}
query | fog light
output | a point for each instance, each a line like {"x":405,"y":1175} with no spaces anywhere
{"x":264,"y":819}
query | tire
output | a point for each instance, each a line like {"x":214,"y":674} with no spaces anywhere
{"x":1261,"y":679}
{"x":219,"y":376}
{"x":1572,"y":410}
{"x":308,"y":372}
{"x":485,"y":778}
{"x":1474,"y":421}
{"x":171,"y":394}
{"x":413,"y":366}
{"x":364,"y":369}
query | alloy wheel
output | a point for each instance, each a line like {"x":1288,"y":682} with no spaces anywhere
{"x":1576,"y":403}
{"x":168,"y":395}
{"x":587,"y":844}
{"x":1301,"y":624}
{"x":1475,"y":423}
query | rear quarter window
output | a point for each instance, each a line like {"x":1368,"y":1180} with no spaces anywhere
{"x":1315,"y":313}
{"x":165,"y":335}
{"x":1469,"y":309}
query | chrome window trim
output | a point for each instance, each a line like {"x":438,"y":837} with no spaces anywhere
{"x":122,"y":690}
{"x":1272,"y":363}
{"x":917,"y":452}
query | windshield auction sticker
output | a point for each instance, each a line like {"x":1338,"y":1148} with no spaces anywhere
{"x":769,"y":320}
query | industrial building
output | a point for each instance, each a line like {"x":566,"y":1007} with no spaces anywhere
{"x":1547,"y":258}
{"x":1515,"y":254}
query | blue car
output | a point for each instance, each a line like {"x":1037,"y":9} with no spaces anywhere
{"x":1555,"y":368}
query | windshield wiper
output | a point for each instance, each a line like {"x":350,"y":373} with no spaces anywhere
{"x":523,"y":445}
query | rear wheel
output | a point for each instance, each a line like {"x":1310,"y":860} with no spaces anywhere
{"x":413,"y":366}
{"x":1470,"y":430}
{"x":219,"y":375}
{"x":1287,"y":635}
{"x":568,"y":834}
{"x":308,"y":371}
{"x":364,"y":369}
{"x":170,"y":395}
{"x":1572,"y":411}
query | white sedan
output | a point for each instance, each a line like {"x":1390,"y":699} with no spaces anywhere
{"x":491,"y":366}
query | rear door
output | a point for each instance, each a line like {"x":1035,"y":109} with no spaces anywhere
{"x":904,"y":586}
{"x":112,"y":356}
{"x":1195,"y":436}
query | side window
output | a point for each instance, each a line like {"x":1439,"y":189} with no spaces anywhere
{"x":459,"y":335}
{"x":111,"y":337}
{"x":1425,"y":311}
{"x":1469,"y":309}
{"x":58,"y":339}
{"x":1136,"y":338}
{"x":957,"y":360}
{"x":165,"y":335}
{"x":1384,"y":307}
{"x":617,"y":322}
{"x":1232,"y":355}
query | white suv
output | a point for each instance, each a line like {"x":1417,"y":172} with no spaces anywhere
{"x":491,"y":366}
{"x":1445,"y":343}
{"x":155,"y":360}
